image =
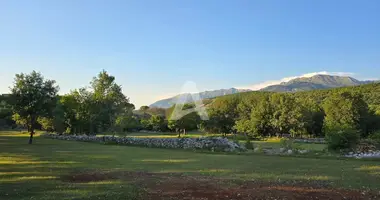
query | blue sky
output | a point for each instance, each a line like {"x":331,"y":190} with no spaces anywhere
{"x":154,"y":47}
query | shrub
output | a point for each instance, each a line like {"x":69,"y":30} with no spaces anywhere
{"x":375,"y":137}
{"x":366,"y":145}
{"x":290,"y":144}
{"x":259,"y":149}
{"x":248,"y":144}
{"x":342,"y":140}
{"x":286,"y":143}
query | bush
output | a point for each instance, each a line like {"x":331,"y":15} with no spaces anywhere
{"x":342,"y":140}
{"x":366,"y":145}
{"x":259,"y":149}
{"x":286,"y":143}
{"x":375,"y":137}
{"x":290,"y":144}
{"x":248,"y":144}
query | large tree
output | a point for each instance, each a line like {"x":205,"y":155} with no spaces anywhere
{"x":287,"y":115}
{"x":313,"y":116}
{"x":222,"y":115}
{"x":186,"y":123}
{"x":95,"y":109}
{"x":109,"y":101}
{"x":345,"y":111}
{"x":260,"y":121}
{"x":33,"y":96}
{"x":5,"y":112}
{"x":158,"y":123}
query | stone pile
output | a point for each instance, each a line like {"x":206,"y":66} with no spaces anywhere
{"x":370,"y":154}
{"x":203,"y":143}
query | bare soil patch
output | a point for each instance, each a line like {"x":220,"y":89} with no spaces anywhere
{"x":163,"y":186}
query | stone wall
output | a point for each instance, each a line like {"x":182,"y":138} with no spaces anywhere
{"x":203,"y":143}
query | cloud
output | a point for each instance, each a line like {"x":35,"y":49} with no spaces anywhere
{"x":259,"y":86}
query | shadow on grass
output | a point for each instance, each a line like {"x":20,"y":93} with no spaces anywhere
{"x":55,"y":158}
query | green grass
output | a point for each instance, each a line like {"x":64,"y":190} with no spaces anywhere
{"x":35,"y":171}
{"x":275,"y":144}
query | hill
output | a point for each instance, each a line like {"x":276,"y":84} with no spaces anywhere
{"x":186,"y":98}
{"x":314,"y":82}
{"x":295,"y":85}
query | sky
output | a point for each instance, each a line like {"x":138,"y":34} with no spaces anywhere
{"x":154,"y":47}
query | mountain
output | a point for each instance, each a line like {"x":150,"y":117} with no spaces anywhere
{"x":314,"y":82}
{"x":186,"y":98}
{"x":294,"y":85}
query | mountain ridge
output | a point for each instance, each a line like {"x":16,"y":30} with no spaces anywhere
{"x":187,"y":97}
{"x":319,"y":81}
{"x":314,"y":82}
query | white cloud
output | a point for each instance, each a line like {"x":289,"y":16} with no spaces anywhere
{"x":259,"y":86}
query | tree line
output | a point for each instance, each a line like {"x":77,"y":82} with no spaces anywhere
{"x":100,"y":107}
{"x":342,"y":115}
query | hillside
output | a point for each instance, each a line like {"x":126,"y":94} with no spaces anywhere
{"x":314,"y":82}
{"x":298,"y":84}
{"x":370,"y":92}
{"x":185,"y":98}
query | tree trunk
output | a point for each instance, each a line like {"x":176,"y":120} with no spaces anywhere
{"x":184,"y":131}
{"x":32,"y":123}
{"x":179,"y":133}
{"x":31,"y":137}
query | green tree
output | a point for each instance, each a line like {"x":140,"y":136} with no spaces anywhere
{"x":46,"y":123}
{"x":222,"y":115}
{"x":127,"y":122}
{"x":59,"y":118}
{"x":108,"y":100}
{"x":144,"y":108}
{"x":287,"y":115}
{"x":70,"y":107}
{"x":345,"y":111}
{"x":313,"y":116}
{"x":23,"y":122}
{"x":188,"y":122}
{"x":96,"y":109}
{"x":157,"y":123}
{"x":260,"y":121}
{"x":5,"y":112}
{"x":33,"y":97}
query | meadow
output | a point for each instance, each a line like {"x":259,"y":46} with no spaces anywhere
{"x":54,"y":169}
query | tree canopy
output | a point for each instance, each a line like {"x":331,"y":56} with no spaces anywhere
{"x":33,"y":97}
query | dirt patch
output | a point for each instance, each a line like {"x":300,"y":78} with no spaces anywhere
{"x":163,"y":186}
{"x":85,"y":177}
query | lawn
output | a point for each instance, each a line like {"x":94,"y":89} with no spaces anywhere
{"x":276,"y":144}
{"x":41,"y":171}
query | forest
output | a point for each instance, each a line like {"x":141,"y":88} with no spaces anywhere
{"x":341,"y":115}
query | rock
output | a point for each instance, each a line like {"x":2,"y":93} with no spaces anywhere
{"x":303,"y":151}
{"x":212,"y":144}
{"x":282,"y":150}
{"x":290,"y":151}
{"x":369,"y":154}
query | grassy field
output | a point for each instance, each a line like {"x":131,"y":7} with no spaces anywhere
{"x":40,"y":171}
